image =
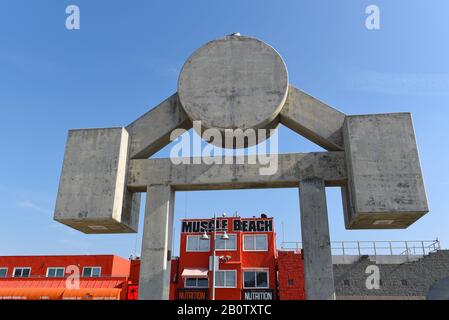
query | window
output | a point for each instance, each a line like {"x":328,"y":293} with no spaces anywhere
{"x":55,"y":272}
{"x":256,"y":242}
{"x":225,"y":279}
{"x":404,"y":282}
{"x":255,"y":279}
{"x":3,"y":272}
{"x":196,"y":283}
{"x":22,"y":272}
{"x":230,"y":244}
{"x":91,"y":272}
{"x":291,"y":282}
{"x":346,"y":282}
{"x":196,"y":244}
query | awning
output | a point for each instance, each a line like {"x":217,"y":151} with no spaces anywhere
{"x":31,"y":293}
{"x":58,"y":294}
{"x":92,"y":294}
{"x":194,"y":273}
{"x":85,"y":283}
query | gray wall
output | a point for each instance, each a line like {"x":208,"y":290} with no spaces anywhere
{"x":407,"y":280}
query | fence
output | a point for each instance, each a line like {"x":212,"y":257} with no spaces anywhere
{"x":344,"y":248}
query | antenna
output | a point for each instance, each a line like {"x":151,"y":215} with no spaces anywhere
{"x":135,"y":246}
{"x":185,"y":206}
{"x":283,"y":232}
{"x":173,"y":243}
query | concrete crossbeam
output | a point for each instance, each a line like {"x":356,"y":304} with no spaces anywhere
{"x":151,"y":132}
{"x":313,"y":119}
{"x":154,"y":282}
{"x":329,"y":166}
{"x":318,"y":272}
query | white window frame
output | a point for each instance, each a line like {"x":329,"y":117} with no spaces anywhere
{"x":97,"y":267}
{"x":14,"y":272}
{"x":217,"y":236}
{"x":195,"y":287}
{"x":254,"y":235}
{"x":267,"y":270}
{"x":6,"y":274}
{"x":56,"y":268}
{"x":199,"y":239}
{"x":225,"y":287}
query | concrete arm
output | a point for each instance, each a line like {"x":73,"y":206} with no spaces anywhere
{"x":313,"y":120}
{"x":151,"y":132}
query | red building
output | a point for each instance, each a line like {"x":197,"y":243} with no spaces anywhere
{"x":248,"y":267}
{"x":80,"y":277}
{"x":246,"y":261}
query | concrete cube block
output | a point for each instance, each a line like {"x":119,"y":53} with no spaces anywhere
{"x":385,"y":185}
{"x":92,"y":196}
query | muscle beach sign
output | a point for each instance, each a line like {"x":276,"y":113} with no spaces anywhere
{"x":245,"y":225}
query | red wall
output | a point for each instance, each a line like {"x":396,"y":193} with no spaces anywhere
{"x":120,"y":267}
{"x":291,"y":276}
{"x":174,"y":279}
{"x":134,"y":272}
{"x":110,"y":265}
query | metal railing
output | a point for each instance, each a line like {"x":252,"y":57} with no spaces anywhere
{"x":346,"y":248}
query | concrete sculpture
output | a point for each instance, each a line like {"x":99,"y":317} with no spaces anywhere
{"x":242,"y":83}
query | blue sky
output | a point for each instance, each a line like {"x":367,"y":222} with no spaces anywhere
{"x":126,"y":58}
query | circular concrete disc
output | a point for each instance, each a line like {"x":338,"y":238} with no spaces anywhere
{"x":234,"y":83}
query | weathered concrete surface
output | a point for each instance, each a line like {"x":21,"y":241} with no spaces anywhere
{"x":439,"y":290}
{"x":313,"y":119}
{"x":92,"y":196}
{"x":235,"y":82}
{"x":329,"y":166}
{"x":151,"y":132}
{"x":385,"y":184}
{"x":154,"y":282}
{"x":318,"y":272}
{"x":403,"y":280}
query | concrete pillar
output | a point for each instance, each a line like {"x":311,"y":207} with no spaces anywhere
{"x":154,"y":282}
{"x":319,"y":277}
